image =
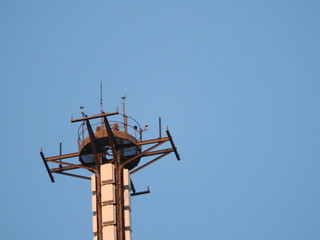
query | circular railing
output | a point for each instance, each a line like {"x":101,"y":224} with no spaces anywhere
{"x":133,"y":128}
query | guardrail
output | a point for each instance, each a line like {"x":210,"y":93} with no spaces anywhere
{"x":133,"y":128}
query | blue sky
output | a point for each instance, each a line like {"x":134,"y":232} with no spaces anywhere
{"x":236,"y":81}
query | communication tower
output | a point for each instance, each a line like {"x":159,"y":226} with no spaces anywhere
{"x":111,"y":153}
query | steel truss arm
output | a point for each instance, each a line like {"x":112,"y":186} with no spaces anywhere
{"x":141,"y":143}
{"x":70,"y":155}
{"x":153,"y":141}
{"x":141,"y":154}
{"x":169,"y":150}
{"x":93,"y":117}
{"x":147,"y":164}
{"x":74,"y":175}
{"x":72,"y":165}
{"x":62,"y":169}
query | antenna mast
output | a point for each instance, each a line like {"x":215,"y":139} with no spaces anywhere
{"x":125,"y":117}
{"x":101,"y":107}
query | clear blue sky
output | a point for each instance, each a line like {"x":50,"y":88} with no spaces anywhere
{"x":238,"y":83}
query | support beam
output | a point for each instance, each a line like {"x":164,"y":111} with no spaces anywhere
{"x":93,"y":142}
{"x":61,"y":169}
{"x":141,"y":154}
{"x":94,"y":117}
{"x":141,"y":143}
{"x":147,"y":164}
{"x":157,"y":140}
{"x":141,"y":193}
{"x":169,"y":150}
{"x":70,"y":155}
{"x":74,"y":175}
{"x":112,"y":140}
{"x":132,"y":187}
{"x":72,"y":165}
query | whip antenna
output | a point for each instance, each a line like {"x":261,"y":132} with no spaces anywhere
{"x":101,"y":108}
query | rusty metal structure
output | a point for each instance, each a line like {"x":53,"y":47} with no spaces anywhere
{"x":118,"y":142}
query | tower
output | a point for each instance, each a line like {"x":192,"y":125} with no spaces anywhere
{"x":111,"y":148}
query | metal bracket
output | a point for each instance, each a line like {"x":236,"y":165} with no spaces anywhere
{"x":141,"y":193}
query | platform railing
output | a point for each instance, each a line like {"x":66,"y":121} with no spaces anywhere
{"x":133,"y":128}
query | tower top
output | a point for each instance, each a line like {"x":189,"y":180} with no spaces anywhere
{"x":110,"y":141}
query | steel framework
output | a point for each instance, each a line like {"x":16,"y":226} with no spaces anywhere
{"x":99,"y":157}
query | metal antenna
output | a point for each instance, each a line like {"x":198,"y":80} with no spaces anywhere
{"x":60,"y":165}
{"x":160,"y":134}
{"x":60,"y":150}
{"x":125,"y":117}
{"x":82,"y":124}
{"x":82,"y":111}
{"x":101,"y":108}
{"x":124,"y":98}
